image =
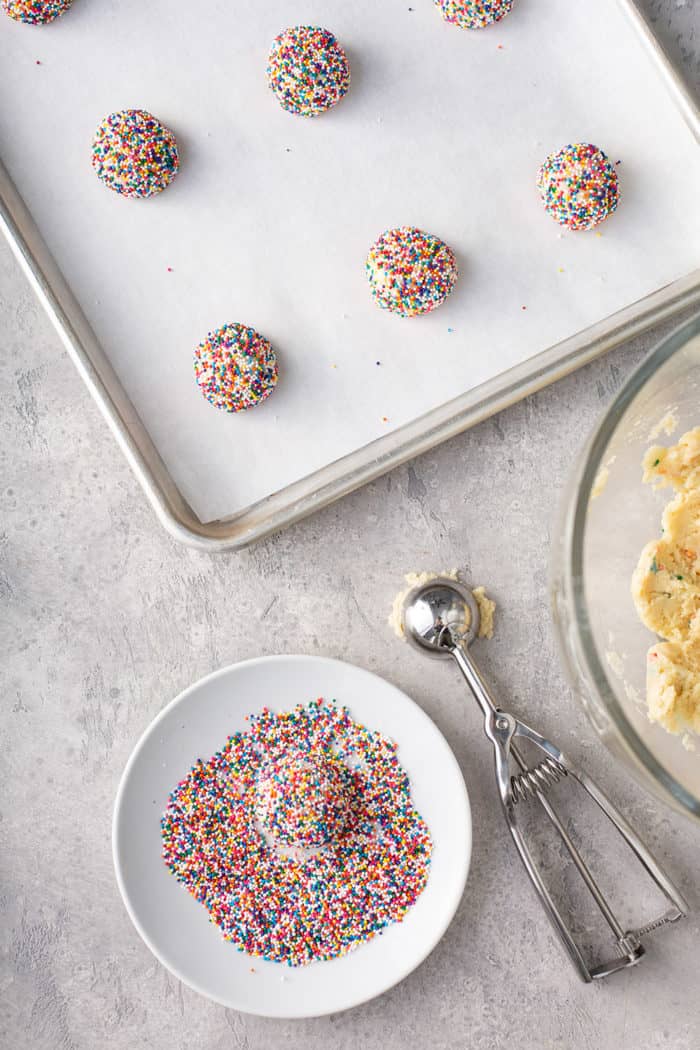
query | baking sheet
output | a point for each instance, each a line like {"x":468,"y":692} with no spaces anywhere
{"x":271,"y":217}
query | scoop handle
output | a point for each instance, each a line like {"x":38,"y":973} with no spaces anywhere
{"x":502,"y":729}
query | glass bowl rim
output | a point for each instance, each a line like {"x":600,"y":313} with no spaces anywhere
{"x":575,"y":530}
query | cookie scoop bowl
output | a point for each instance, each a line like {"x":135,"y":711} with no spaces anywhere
{"x":607,"y":517}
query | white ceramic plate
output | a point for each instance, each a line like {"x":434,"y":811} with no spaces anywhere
{"x":176,"y":928}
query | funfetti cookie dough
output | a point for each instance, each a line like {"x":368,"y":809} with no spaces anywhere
{"x":410,"y":272}
{"x":473,"y":14}
{"x":487,"y":607}
{"x":35,"y":12}
{"x":666,"y":588}
{"x":578,"y":186}
{"x":308,"y":70}
{"x":673,"y":686}
{"x":235,"y":368}
{"x":134,"y":154}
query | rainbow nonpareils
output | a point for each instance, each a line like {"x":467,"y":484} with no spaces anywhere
{"x":235,"y":367}
{"x":358,"y":856}
{"x":410,"y":272}
{"x":308,"y":71}
{"x":35,"y":12}
{"x":134,"y":154}
{"x":578,"y":186}
{"x":473,"y":14}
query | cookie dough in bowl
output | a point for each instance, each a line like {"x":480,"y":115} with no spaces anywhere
{"x":673,"y":686}
{"x":643,"y":716}
{"x":666,"y":588}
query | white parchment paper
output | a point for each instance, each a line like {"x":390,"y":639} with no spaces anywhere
{"x":272,"y":215}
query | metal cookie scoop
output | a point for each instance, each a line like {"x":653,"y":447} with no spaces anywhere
{"x":441,"y":618}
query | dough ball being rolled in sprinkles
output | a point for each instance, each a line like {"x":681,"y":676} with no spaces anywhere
{"x":410,"y":272}
{"x":304,"y":800}
{"x":474,"y":14}
{"x":134,"y":154}
{"x":308,"y":70}
{"x":235,"y":367}
{"x":578,"y":186}
{"x":35,"y":12}
{"x":266,"y":900}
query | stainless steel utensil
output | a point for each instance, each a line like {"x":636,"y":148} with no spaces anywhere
{"x":441,"y":618}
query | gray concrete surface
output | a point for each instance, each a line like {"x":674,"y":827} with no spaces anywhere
{"x":104,"y":619}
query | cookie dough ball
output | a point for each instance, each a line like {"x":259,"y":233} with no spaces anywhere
{"x":308,"y":70}
{"x":235,"y":368}
{"x":666,"y":590}
{"x":410,"y":272}
{"x":578,"y":186}
{"x":677,"y":466}
{"x":673,"y":686}
{"x":473,"y":14}
{"x":304,"y":800}
{"x":134,"y":154}
{"x":35,"y":12}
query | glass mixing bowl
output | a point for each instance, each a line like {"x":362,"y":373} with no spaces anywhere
{"x":607,"y":516}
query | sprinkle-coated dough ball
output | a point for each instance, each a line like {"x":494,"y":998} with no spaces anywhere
{"x":308,"y":70}
{"x":578,"y":186}
{"x":235,"y":367}
{"x":410,"y":272}
{"x":35,"y":12}
{"x":474,"y":14}
{"x":304,"y":800}
{"x":134,"y":154}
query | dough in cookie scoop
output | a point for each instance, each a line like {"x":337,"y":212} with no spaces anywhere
{"x":487,"y":607}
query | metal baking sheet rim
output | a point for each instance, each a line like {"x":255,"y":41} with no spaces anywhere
{"x":337,"y":479}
